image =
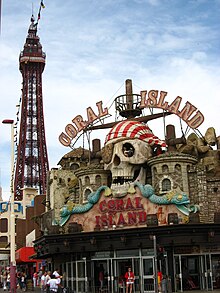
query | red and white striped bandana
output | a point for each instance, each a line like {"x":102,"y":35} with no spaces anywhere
{"x":134,"y":129}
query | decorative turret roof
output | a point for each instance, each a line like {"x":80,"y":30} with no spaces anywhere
{"x":32,"y":51}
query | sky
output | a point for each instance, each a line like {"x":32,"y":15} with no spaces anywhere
{"x":93,"y":46}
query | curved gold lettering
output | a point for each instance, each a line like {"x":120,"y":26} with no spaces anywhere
{"x":71,"y":130}
{"x":152,"y":98}
{"x":196,"y":120}
{"x":64,"y":139}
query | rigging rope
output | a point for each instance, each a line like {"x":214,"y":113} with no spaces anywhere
{"x":112,"y":97}
{"x":164,"y":124}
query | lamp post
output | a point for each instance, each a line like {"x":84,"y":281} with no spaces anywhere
{"x":12,"y":214}
{"x":154,"y":238}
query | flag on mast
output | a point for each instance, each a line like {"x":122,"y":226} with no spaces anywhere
{"x":41,"y":6}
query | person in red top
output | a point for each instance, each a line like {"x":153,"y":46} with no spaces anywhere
{"x":129,"y":277}
{"x":159,"y":279}
{"x":101,"y":276}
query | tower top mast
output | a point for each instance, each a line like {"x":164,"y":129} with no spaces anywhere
{"x":32,"y":51}
{"x":128,"y":105}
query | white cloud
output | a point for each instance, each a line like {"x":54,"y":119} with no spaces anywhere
{"x":93,"y":46}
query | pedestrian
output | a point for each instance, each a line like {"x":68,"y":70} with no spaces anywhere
{"x":23,"y":281}
{"x":48,"y":277}
{"x":101,"y":276}
{"x":53,"y":284}
{"x":19,"y":279}
{"x":35,"y":278}
{"x":129,"y":277}
{"x":159,"y":279}
{"x":56,"y":273}
{"x":43,"y":282}
{"x":8,"y":280}
{"x":40,"y":273}
{"x":5,"y":280}
{"x":164,"y":284}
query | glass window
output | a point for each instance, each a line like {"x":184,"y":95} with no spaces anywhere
{"x":4,"y":226}
{"x":166,"y":185}
{"x":3,"y":239}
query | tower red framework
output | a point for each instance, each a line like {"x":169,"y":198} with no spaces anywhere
{"x":32,"y":160}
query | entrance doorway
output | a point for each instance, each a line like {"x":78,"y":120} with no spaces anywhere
{"x":84,"y":275}
{"x":114,"y":274}
{"x":197,"y":272}
{"x":215,"y":271}
{"x":76,"y":276}
{"x":120,"y":267}
{"x":148,"y":274}
{"x":187,"y":272}
{"x":101,"y":272}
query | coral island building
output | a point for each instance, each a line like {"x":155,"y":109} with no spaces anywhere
{"x":138,"y":201}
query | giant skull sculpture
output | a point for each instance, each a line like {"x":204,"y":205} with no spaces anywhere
{"x":127,"y":148}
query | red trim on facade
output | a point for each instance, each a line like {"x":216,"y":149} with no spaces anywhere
{"x":23,"y":255}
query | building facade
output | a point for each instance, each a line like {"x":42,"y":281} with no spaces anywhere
{"x":138,"y":201}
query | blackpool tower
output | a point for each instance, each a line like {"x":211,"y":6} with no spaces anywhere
{"x":32,"y":160}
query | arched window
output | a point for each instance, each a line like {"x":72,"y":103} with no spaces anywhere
{"x":74,"y":167}
{"x":178,"y":167}
{"x":86,"y":194}
{"x":165,"y":169}
{"x":166,"y":184}
{"x":87,"y":180}
{"x":98,"y":180}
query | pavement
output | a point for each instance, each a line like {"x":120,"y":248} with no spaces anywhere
{"x":38,"y":290}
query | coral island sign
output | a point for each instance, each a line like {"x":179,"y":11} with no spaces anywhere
{"x":152,"y":99}
{"x":112,"y":212}
{"x":79,"y":124}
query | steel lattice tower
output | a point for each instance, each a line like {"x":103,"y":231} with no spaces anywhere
{"x":32,"y":161}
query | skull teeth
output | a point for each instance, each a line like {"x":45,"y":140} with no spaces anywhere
{"x":121,"y":180}
{"x":119,"y":190}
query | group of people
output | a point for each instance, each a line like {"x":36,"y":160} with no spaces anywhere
{"x":45,"y":280}
{"x":50,"y":282}
{"x":5,"y":279}
{"x":130,"y":277}
{"x":163,"y":285}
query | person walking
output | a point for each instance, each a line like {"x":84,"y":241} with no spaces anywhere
{"x":35,"y":278}
{"x":164,"y":284}
{"x":129,"y":277}
{"x":48,"y":277}
{"x":23,"y":281}
{"x":101,"y":276}
{"x":5,"y":280}
{"x":56,"y":273}
{"x":8,"y":280}
{"x":53,"y":284}
{"x":43,"y":282}
{"x":159,"y":279}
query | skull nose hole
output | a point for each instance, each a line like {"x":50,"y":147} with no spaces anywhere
{"x":117,"y":160}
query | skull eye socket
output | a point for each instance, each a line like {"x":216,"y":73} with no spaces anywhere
{"x":117,"y":160}
{"x":128,"y":149}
